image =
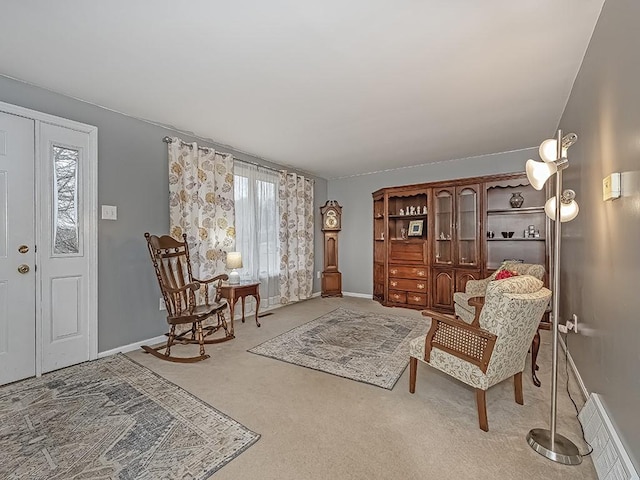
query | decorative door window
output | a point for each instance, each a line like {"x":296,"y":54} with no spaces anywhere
{"x":65,"y":207}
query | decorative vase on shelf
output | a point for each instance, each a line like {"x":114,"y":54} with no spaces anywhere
{"x":516,"y":200}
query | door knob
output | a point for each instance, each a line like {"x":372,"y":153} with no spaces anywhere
{"x":23,"y":248}
{"x":23,"y":269}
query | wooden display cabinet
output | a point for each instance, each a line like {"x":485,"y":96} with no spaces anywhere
{"x":420,"y":258}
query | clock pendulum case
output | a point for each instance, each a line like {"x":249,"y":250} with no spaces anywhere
{"x":331,"y":225}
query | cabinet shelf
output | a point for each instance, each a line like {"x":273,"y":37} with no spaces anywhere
{"x":417,"y":215}
{"x":513,"y":239}
{"x":516,"y":211}
{"x":408,"y":240}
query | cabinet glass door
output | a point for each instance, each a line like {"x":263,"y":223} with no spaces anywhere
{"x":443,"y":227}
{"x":467,"y":216}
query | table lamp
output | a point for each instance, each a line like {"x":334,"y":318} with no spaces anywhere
{"x":234,"y":261}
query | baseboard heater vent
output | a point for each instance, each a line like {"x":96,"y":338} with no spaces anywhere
{"x":609,"y":456}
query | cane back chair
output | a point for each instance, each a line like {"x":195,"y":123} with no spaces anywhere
{"x":482,"y":356}
{"x":188,"y":300}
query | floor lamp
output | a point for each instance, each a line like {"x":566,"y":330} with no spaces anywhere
{"x":561,"y":208}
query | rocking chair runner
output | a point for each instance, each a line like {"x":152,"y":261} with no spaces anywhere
{"x":172,"y":265}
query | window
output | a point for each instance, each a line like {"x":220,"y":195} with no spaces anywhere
{"x":257,"y":219}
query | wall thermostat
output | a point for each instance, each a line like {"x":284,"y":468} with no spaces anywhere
{"x":611,"y":187}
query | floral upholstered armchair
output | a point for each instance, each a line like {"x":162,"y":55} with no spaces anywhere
{"x":482,"y":356}
{"x":477,"y":288}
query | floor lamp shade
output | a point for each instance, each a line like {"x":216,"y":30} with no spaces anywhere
{"x":568,"y":210}
{"x":234,"y":261}
{"x":539,"y":172}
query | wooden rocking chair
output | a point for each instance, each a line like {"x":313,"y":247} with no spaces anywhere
{"x":178,"y":286}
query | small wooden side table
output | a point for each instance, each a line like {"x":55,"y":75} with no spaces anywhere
{"x":234,"y":292}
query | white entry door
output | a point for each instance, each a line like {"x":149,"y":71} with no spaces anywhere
{"x":48,"y":301}
{"x":63,"y":256}
{"x":17,"y":249}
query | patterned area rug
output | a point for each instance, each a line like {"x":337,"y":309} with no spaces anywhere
{"x":112,"y":418}
{"x":367,"y":347}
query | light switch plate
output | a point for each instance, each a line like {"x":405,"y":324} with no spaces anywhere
{"x":109,"y":212}
{"x":611,"y":187}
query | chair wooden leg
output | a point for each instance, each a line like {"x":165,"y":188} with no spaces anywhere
{"x":481,"y":401}
{"x":172,"y":337}
{"x":535,"y":347}
{"x":517,"y":386}
{"x":413,"y":370}
{"x":200,"y":338}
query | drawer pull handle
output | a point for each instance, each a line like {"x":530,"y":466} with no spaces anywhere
{"x":396,"y":296}
{"x":417,"y":299}
{"x":394,"y":271}
{"x":421,"y":286}
{"x":421,"y":273}
{"x":394,"y":284}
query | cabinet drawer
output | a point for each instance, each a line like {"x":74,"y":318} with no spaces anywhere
{"x":397,"y":297}
{"x":407,"y":272}
{"x":408,"y":284}
{"x":417,"y":298}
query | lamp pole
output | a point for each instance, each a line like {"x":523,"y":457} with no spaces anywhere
{"x":547,"y":442}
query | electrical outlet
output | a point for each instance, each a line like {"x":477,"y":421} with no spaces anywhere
{"x":318,"y":274}
{"x":162,"y":305}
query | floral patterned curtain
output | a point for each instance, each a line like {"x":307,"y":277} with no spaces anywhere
{"x":296,"y":237}
{"x":201,"y":204}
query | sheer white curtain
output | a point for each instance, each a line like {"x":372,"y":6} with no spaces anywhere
{"x":295,"y":198}
{"x":256,"y":207}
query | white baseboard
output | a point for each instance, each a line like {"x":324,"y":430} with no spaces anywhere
{"x":609,"y":455}
{"x":359,"y":295}
{"x":133,"y":346}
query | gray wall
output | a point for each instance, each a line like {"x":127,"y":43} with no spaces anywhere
{"x":354,"y":194}
{"x":601,"y":247}
{"x":132,"y":174}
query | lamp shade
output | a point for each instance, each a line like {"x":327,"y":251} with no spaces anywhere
{"x":234,"y":260}
{"x":549,"y":149}
{"x":539,"y":172}
{"x":568,"y":211}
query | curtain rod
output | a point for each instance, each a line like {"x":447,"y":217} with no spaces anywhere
{"x":186,"y":144}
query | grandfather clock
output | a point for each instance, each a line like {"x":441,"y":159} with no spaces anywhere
{"x":331,"y":225}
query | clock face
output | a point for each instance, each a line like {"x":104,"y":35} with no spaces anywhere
{"x":331,"y":219}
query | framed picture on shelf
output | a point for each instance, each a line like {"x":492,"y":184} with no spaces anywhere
{"x":415,"y":228}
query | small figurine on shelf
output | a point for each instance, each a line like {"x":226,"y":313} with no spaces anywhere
{"x":403,"y":233}
{"x":424,"y":210}
{"x":402,"y":211}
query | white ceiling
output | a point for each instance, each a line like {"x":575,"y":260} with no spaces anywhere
{"x":331,"y":87}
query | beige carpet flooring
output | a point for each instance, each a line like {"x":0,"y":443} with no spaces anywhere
{"x":318,"y":426}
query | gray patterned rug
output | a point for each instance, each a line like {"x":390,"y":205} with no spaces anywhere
{"x":112,"y":419}
{"x":367,"y":347}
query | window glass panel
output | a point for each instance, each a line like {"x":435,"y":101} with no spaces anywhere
{"x":65,"y":201}
{"x":257,"y":226}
